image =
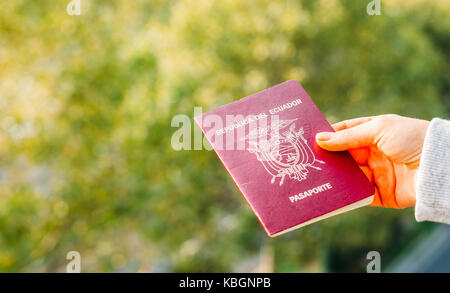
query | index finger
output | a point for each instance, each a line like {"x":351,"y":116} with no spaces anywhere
{"x":350,"y":123}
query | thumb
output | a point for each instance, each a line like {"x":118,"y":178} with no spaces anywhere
{"x":350,"y":138}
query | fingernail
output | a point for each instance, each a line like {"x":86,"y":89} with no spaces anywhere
{"x":324,"y":136}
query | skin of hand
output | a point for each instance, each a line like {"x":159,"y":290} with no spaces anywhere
{"x":387,"y":148}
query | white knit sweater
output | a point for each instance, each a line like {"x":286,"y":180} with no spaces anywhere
{"x":433,"y":178}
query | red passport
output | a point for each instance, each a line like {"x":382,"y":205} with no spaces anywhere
{"x":266,"y":142}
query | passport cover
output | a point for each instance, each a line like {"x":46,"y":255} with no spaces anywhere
{"x":266,"y":141}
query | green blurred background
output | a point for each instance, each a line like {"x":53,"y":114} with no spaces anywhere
{"x":86,"y":103}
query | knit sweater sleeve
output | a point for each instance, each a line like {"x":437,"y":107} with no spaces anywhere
{"x":433,"y":177}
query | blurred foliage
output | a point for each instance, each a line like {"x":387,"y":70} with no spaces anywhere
{"x":86,"y":104}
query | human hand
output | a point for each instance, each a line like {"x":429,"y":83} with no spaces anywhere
{"x":387,"y":148}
